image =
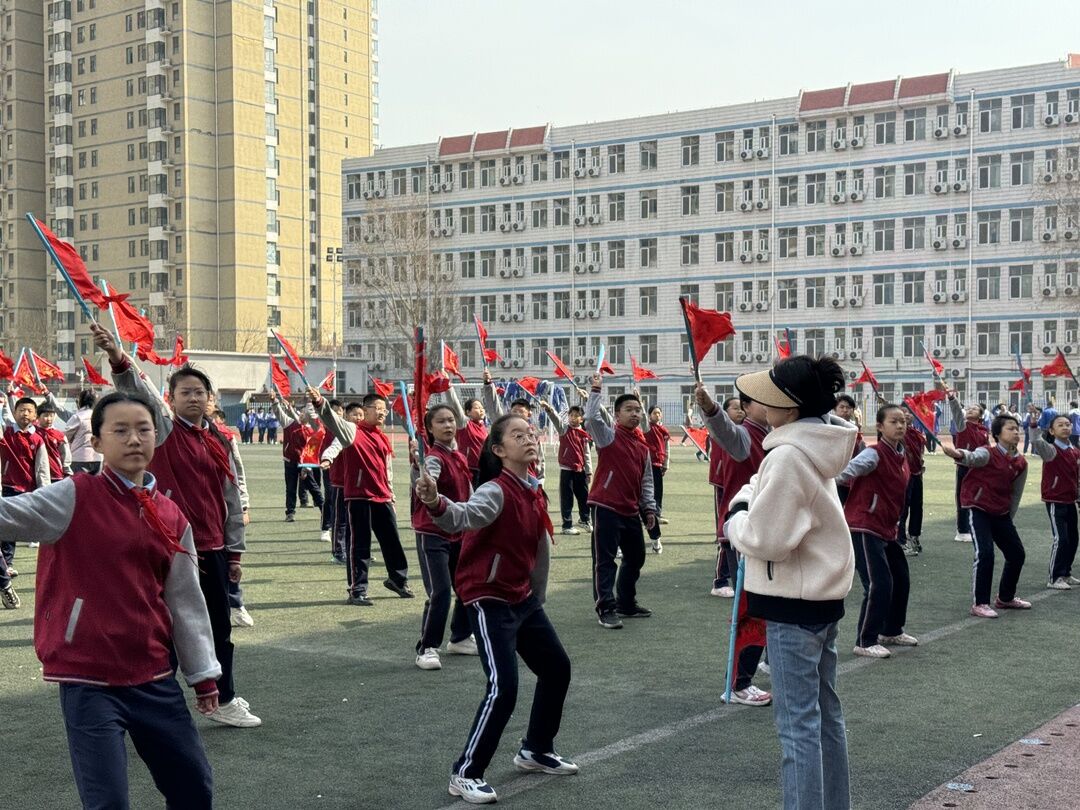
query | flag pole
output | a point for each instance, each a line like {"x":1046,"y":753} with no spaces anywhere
{"x":690,"y":340}
{"x":116,"y":329}
{"x":409,"y":426}
{"x":600,"y":358}
{"x":59,"y":266}
{"x":739,"y":578}
{"x":303,"y":379}
{"x":34,"y":369}
{"x":873,"y":385}
{"x":483,"y":357}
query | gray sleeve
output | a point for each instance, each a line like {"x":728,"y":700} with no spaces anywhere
{"x":65,"y":456}
{"x":956,"y":415}
{"x":605,"y":414}
{"x":129,"y":380}
{"x":5,"y":406}
{"x":557,"y":423}
{"x":979,"y":457}
{"x":587,"y":467}
{"x":538,"y":577}
{"x":601,"y":432}
{"x":863,"y":464}
{"x":480,"y":510}
{"x":192,"y":637}
{"x":41,"y":516}
{"x":493,"y":404}
{"x":241,"y":474}
{"x":733,"y":439}
{"x":235,"y":530}
{"x":331,"y":452}
{"x":342,"y":430}
{"x":71,"y":427}
{"x":1045,"y":450}
{"x":1017,"y":492}
{"x":648,"y":495}
{"x":431,"y":464}
{"x":453,"y":401}
{"x":284,"y":412}
{"x":61,"y":412}
{"x":541,"y":462}
{"x":41,"y":467}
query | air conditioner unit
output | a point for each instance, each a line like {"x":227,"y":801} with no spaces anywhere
{"x":1052,"y":120}
{"x":433,"y":188}
{"x":579,"y":171}
{"x":762,"y":256}
{"x":941,"y":132}
{"x":595,"y":219}
{"x":839,"y":197}
{"x":851,"y":375}
{"x":1069,"y":234}
{"x":746,"y":205}
{"x":939,"y":353}
{"x":517,"y":316}
{"x":1067,"y":349}
{"x":591,"y":361}
{"x":504,"y":272}
{"x":745,"y":357}
{"x":960,"y":186}
{"x":518,"y":272}
{"x":857,"y":196}
{"x":448,"y":185}
{"x":1071,"y":118}
{"x":958,"y":351}
{"x":1069,"y":291}
{"x":855,"y":301}
{"x":519,"y":225}
{"x":745,"y":306}
{"x":958,"y":297}
{"x":853,"y":356}
{"x":834,"y":355}
{"x":504,"y":180}
{"x":746,"y":257}
{"x":837,"y":250}
{"x":1049,"y":236}
{"x":447,"y":274}
{"x":761,"y":357}
{"x":593,"y":267}
{"x":1049,"y":177}
{"x":579,"y":220}
{"x":579,"y":269}
{"x":504,"y":227}
{"x":762,"y":306}
{"x":956,"y":372}
{"x":940,"y":244}
{"x":959,"y":242}
{"x":1049,"y":292}
{"x":579,"y":361}
{"x":856,"y":250}
{"x":940,"y":298}
{"x":747,"y":154}
{"x":1047,"y":350}
{"x":762,"y":205}
{"x":518,"y":179}
{"x":367,"y":195}
{"x":941,"y":188}
{"x":839,"y":303}
{"x":959,"y":130}
{"x":858,"y":143}
{"x":594,"y":312}
{"x":579,"y":314}
{"x":505,"y":363}
{"x":517,"y":363}
{"x":448,"y":230}
{"x":370,"y":237}
{"x":594,"y":171}
{"x":504,"y":316}
{"x":1069,"y":176}
{"x":761,"y":152}
{"x":839,"y":143}
{"x":380,"y":192}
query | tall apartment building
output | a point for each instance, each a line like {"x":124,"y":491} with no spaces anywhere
{"x":191,"y":152}
{"x":869,"y":220}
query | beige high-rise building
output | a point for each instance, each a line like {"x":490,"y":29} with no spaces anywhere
{"x":192,"y":152}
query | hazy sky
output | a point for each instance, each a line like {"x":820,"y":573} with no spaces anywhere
{"x":450,"y":67}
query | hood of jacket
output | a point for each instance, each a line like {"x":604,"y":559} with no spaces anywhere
{"x":828,"y":445}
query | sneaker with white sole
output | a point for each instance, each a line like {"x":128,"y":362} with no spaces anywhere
{"x":324,"y":536}
{"x":11,"y":571}
{"x":571,"y":530}
{"x":873,"y":651}
{"x":428,"y":659}
{"x":724,"y":592}
{"x":33,"y":544}
{"x":474,"y":791}
{"x":913,"y":541}
{"x":901,"y":640}
{"x":610,"y":620}
{"x":962,"y":537}
{"x":983,"y":612}
{"x":235,"y":713}
{"x":585,"y":526}
{"x":764,"y":668}
{"x":9,"y":598}
{"x":1072,"y":580}
{"x":1059,"y":584}
{"x":657,"y":547}
{"x":551,"y":762}
{"x":750,"y":696}
{"x":467,"y":646}
{"x":240,"y":617}
{"x":662,"y":521}
{"x":1012,"y":604}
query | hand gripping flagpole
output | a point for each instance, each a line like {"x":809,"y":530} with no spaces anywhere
{"x":739,"y":577}
{"x":690,"y":340}
{"x":112,"y":314}
{"x":409,"y":426}
{"x":60,"y":266}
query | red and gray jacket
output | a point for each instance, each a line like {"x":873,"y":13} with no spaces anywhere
{"x":623,"y":482}
{"x":451,"y":472}
{"x":967,"y":435}
{"x":1060,"y":472}
{"x":915,"y":448}
{"x":24,"y":459}
{"x":114,"y":594}
{"x":573,"y":446}
{"x":878,"y":478}
{"x":58,"y":451}
{"x":657,"y":438}
{"x":741,"y":448}
{"x":995,"y":481}
{"x":368,"y":472}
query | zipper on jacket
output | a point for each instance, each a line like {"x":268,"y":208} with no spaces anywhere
{"x":978,"y":493}
{"x":73,"y":619}
{"x":1054,"y":482}
{"x":610,"y":475}
{"x":873,"y":503}
{"x":494,"y":567}
{"x":768,"y":569}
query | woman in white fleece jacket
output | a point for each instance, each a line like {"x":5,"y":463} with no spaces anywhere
{"x":799,"y":566}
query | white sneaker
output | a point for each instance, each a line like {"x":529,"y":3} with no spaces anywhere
{"x":724,"y":592}
{"x":1059,"y":584}
{"x":572,"y":530}
{"x":764,"y":668}
{"x":33,"y":544}
{"x":962,"y":537}
{"x":474,"y":791}
{"x":526,"y":760}
{"x":873,"y":651}
{"x":657,"y":547}
{"x":1072,"y":580}
{"x":240,"y":617}
{"x":428,"y":659}
{"x":902,"y":640}
{"x":467,"y":646}
{"x":325,"y":536}
{"x":662,"y":521}
{"x":235,"y":713}
{"x":750,"y":696}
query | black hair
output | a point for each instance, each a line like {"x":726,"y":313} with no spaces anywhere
{"x":188,"y":370}
{"x":352,"y":406}
{"x":883,"y":411}
{"x":575,"y":409}
{"x":371,"y":399}
{"x":729,"y":400}
{"x":1074,"y":404}
{"x":335,"y":403}
{"x":24,"y":401}
{"x":999,"y":423}
{"x":490,"y":464}
{"x":1047,"y":435}
{"x":655,"y":408}
{"x":429,"y":417}
{"x":622,"y":398}
{"x":469,"y":404}
{"x":521,"y":403}
{"x":744,"y":400}
{"x":45,"y":407}
{"x":850,"y":400}
{"x":97,"y":417}
{"x":816,"y":381}
{"x":86,"y":399}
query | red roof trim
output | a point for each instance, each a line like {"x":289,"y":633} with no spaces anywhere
{"x":822,"y":99}
{"x":872,"y":92}
{"x":529,"y":136}
{"x":924,"y":85}
{"x":490,"y":141}
{"x":455,"y":145}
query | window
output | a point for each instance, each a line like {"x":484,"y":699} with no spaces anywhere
{"x":688,"y":246}
{"x":987,"y":339}
{"x":815,"y":240}
{"x":989,"y":227}
{"x":787,"y":290}
{"x":616,"y":159}
{"x":884,"y":284}
{"x":988,"y":283}
{"x":487,"y":173}
{"x":915,"y":124}
{"x":725,"y":247}
{"x":913,"y":338}
{"x":647,"y":252}
{"x":1023,"y":164}
{"x":914,"y":179}
{"x":1023,"y":111}
{"x":616,"y":251}
{"x":487,"y":218}
{"x":788,"y":189}
{"x":815,"y":136}
{"x":689,"y":196}
{"x":539,"y":214}
{"x":914,"y":284}
{"x":989,"y":115}
{"x":1020,"y":280}
{"x":725,"y":296}
{"x":467,"y":219}
{"x":787,"y":242}
{"x":884,"y":128}
{"x":914,"y":233}
{"x":647,"y":151}
{"x":539,"y":261}
{"x":467,"y":175}
{"x":690,"y":144}
{"x":725,"y":197}
{"x":788,"y":139}
{"x":883,"y":337}
{"x":815,"y":188}
{"x":648,"y":204}
{"x":647,"y":348}
{"x":884,"y":182}
{"x":725,"y":147}
{"x":647,"y":299}
{"x":616,"y":300}
{"x":616,"y":207}
{"x":884,"y":234}
{"x":1020,"y":337}
{"x":1021,"y":223}
{"x":815,"y":292}
{"x":561,"y":303}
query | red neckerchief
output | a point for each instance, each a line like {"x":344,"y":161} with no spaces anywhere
{"x":634,"y":434}
{"x":215,"y":448}
{"x":540,"y":505}
{"x":150,"y":514}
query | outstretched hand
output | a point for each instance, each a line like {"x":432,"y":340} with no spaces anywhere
{"x":426,"y":489}
{"x":950,"y":451}
{"x":314,"y":395}
{"x":105,"y":341}
{"x":702,"y":398}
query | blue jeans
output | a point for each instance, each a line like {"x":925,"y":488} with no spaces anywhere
{"x":808,"y":716}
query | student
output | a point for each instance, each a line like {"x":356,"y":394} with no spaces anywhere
{"x":501,"y":578}
{"x":575,"y":466}
{"x":968,"y":432}
{"x":742,"y":448}
{"x":721,"y":586}
{"x":790,"y":525}
{"x":911,"y":518}
{"x":472,"y":430}
{"x":658,"y":440}
{"x":438,"y":549}
{"x":493,"y":405}
{"x":333,"y":463}
{"x":1074,"y":418}
{"x":238,"y":612}
{"x":369,"y":495}
{"x":621,"y":497}
{"x":108,"y":647}
{"x":991,"y":491}
{"x":1060,"y":488}
{"x":878,"y":480}
{"x":77,"y":430}
{"x":56,"y":443}
{"x":191,"y":465}
{"x":262,"y":421}
{"x":846,"y":410}
{"x":1030,"y":425}
{"x":296,"y":433}
{"x":24,"y":466}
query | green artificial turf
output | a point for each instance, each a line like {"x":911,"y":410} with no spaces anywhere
{"x":349,"y":722}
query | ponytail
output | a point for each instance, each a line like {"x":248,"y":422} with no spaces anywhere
{"x":490,"y":465}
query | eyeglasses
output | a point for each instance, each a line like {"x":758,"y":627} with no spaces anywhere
{"x":528,"y":437}
{"x":124,"y":434}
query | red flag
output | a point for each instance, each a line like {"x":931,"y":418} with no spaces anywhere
{"x":783,"y":350}
{"x":1058,"y":368}
{"x":530,"y":384}
{"x":45,"y":369}
{"x":561,"y":369}
{"x":178,"y":356}
{"x":150,"y":356}
{"x":640,"y":372}
{"x":866,"y":377}
{"x":605,"y":368}
{"x":292,"y":359}
{"x":1019,"y":385}
{"x":420,"y":379}
{"x":7,"y":366}
{"x":93,"y":375}
{"x":309,"y":456}
{"x":450,"y":362}
{"x":437,"y":383}
{"x":74,"y":267}
{"x":280,"y":378}
{"x":383,"y":389}
{"x":922,"y":406}
{"x":934,"y":364}
{"x":490,"y":355}
{"x":328,"y":382}
{"x":24,"y":375}
{"x":699,"y":436}
{"x":707,"y":327}
{"x":133,"y":327}
{"x":398,"y":405}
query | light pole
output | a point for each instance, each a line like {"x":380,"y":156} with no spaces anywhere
{"x":335,"y":257}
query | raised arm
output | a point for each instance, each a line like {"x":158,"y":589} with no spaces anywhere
{"x":41,"y":516}
{"x":863,"y":464}
{"x":340,"y":428}
{"x":493,"y":404}
{"x":192,"y":638}
{"x":1044,"y":449}
{"x":283,"y":410}
{"x":601,"y":432}
{"x":733,"y":439}
{"x":61,"y":412}
{"x":125,"y":378}
{"x":956,"y":414}
{"x":453,"y":402}
{"x":480,"y":510}
{"x":557,"y":423}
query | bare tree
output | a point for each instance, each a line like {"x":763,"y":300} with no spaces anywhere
{"x":1059,"y":186}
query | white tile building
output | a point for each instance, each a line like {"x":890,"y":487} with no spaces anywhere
{"x":867,"y":219}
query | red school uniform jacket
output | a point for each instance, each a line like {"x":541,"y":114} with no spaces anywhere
{"x":617,"y":482}
{"x":54,"y":442}
{"x":470,"y":441}
{"x":657,"y":440}
{"x":451,"y":472}
{"x":989,"y":488}
{"x":293,"y":439}
{"x":877,"y":499}
{"x":573,"y":448}
{"x":915,"y":449}
{"x":1060,"y":476}
{"x":18,"y":458}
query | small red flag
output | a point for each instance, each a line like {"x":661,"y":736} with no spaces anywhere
{"x":437,"y":382}
{"x":640,"y":372}
{"x":1058,"y":368}
{"x":7,"y":366}
{"x":1019,"y":385}
{"x":922,"y":406}
{"x":93,"y":375}
{"x":328,"y":382}
{"x":24,"y":374}
{"x":699,"y":436}
{"x":490,"y":355}
{"x":561,"y":369}
{"x":292,"y":359}
{"x":530,"y":384}
{"x":934,"y":364}
{"x":178,"y":356}
{"x":420,"y":379}
{"x":450,"y":362}
{"x":383,"y":389}
{"x":280,"y":378}
{"x":866,"y":377}
{"x":605,"y":368}
{"x":45,"y":369}
{"x":398,"y":405}
{"x":707,"y":327}
{"x":133,"y":327}
{"x":74,"y":267}
{"x":783,"y":350}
